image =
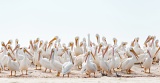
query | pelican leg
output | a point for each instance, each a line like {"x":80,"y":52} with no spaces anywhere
{"x":129,"y":71}
{"x":141,"y":64}
{"x":144,"y":70}
{"x":26,"y":72}
{"x":45,"y":70}
{"x":40,"y":67}
{"x":68,"y":75}
{"x":89,"y":75}
{"x":94,"y":74}
{"x":36,"y":67}
{"x":149,"y":70}
{"x":22,"y":72}
{"x":63,"y":75}
{"x":106,"y":72}
{"x":58,"y":74}
{"x":15,"y":73}
{"x":50,"y":70}
{"x":11,"y":73}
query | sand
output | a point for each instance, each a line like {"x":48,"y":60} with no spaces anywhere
{"x":36,"y":76}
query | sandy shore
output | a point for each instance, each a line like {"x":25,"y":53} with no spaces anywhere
{"x":36,"y":76}
{"x":82,"y":80}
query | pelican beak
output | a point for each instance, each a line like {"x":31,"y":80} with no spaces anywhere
{"x":9,"y":42}
{"x":39,"y":55}
{"x":51,"y":53}
{"x":134,"y":53}
{"x":99,"y":48}
{"x":10,"y":56}
{"x":149,"y":53}
{"x":114,"y":41}
{"x":55,"y":38}
{"x":81,"y":44}
{"x":28,"y":52}
{"x":93,"y":56}
{"x":86,"y":56}
{"x":76,"y":41}
{"x":71,"y":58}
{"x":156,"y":52}
{"x":105,"y":51}
{"x":119,"y":55}
{"x":40,"y":44}
{"x":97,"y":37}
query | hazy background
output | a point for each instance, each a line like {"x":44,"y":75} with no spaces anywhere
{"x":123,"y":19}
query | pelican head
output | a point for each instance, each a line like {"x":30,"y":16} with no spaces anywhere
{"x":16,"y":41}
{"x":97,"y":37}
{"x":2,"y":43}
{"x":71,"y":44}
{"x":124,"y":43}
{"x":157,"y":41}
{"x":10,"y":41}
{"x":9,"y":54}
{"x":37,"y":40}
{"x":137,"y":39}
{"x":104,"y":39}
{"x":114,"y":40}
{"x":81,"y":43}
{"x":84,"y":39}
{"x":76,"y":40}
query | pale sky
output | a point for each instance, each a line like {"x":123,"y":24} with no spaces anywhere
{"x":123,"y":19}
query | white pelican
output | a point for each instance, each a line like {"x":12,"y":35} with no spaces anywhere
{"x":103,"y":63}
{"x":129,"y":62}
{"x":90,"y":66}
{"x":24,"y":63}
{"x":36,"y":58}
{"x":147,"y":62}
{"x":98,"y":39}
{"x":56,"y":65}
{"x":66,"y":67}
{"x":13,"y":65}
{"x":111,"y":62}
{"x":77,"y":50}
{"x":44,"y":61}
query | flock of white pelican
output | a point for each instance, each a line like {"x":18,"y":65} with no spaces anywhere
{"x":87,"y":56}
